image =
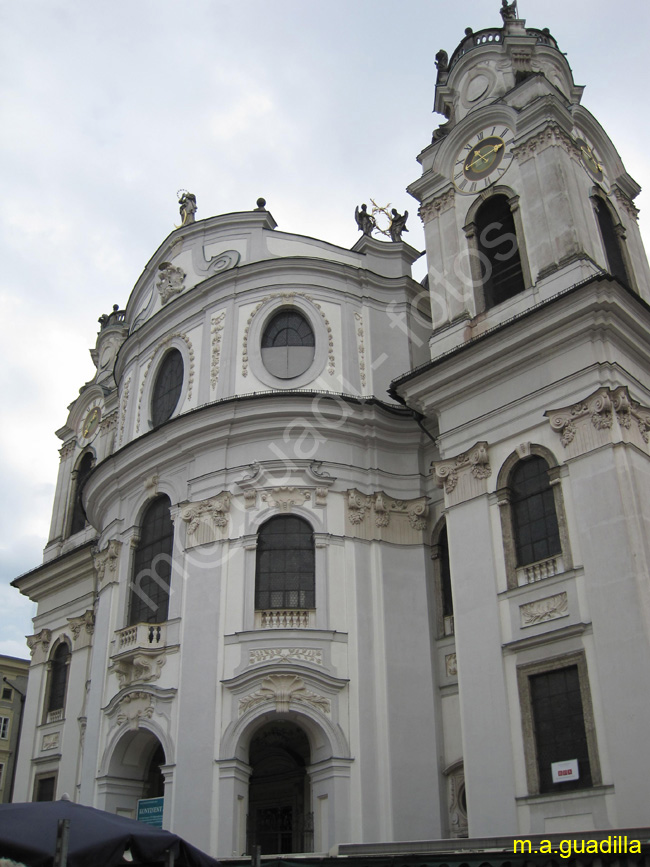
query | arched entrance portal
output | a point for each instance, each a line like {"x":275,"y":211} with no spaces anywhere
{"x":133,"y":773}
{"x":279,"y":799}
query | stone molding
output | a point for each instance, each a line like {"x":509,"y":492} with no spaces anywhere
{"x":105,"y":561}
{"x":216,"y":328}
{"x":171,"y":281}
{"x":284,"y":497}
{"x":361,"y":348}
{"x":131,"y":707}
{"x":464,"y":476}
{"x":283,"y":690}
{"x":542,"y":610}
{"x":203,"y":518}
{"x":606,"y":416}
{"x":67,"y":449}
{"x":285,"y":654}
{"x":626,"y":203}
{"x":384,"y":508}
{"x":39,"y":644}
{"x":82,"y":628}
{"x":287,"y":298}
{"x":551,"y":136}
{"x":431,"y":210}
{"x":123,"y":405}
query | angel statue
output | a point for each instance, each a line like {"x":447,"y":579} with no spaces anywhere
{"x":397,"y":225}
{"x":365,"y":221}
{"x":187,"y":208}
{"x":508,"y":10}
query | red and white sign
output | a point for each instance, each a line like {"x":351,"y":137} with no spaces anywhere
{"x":563,"y":771}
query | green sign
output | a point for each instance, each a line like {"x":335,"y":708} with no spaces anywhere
{"x":150,"y":811}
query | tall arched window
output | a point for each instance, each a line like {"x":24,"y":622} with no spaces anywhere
{"x":534,"y":519}
{"x":288,"y":345}
{"x":152,"y":565}
{"x":611,"y":241}
{"x":57,"y":682}
{"x":167,"y":388}
{"x":284,"y":573}
{"x":442,"y":575}
{"x":79,"y":521}
{"x":499,"y":251}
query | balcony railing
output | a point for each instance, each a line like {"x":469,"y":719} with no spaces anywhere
{"x":150,"y":635}
{"x":281,"y":618}
{"x":540,"y":570}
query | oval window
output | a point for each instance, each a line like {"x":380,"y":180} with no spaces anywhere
{"x":288,"y":345}
{"x":167,"y":388}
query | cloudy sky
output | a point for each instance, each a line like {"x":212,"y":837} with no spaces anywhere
{"x":108,"y":108}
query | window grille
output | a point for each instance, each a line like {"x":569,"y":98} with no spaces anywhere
{"x":284,"y":575}
{"x":167,"y":388}
{"x":288,"y":345}
{"x":152,"y":565}
{"x":535,"y":525}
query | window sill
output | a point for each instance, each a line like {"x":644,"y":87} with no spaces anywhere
{"x":587,"y":792}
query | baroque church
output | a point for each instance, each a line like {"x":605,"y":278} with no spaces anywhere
{"x":341,"y":558}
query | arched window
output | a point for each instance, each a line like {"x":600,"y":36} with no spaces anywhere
{"x":442,"y":574}
{"x":284,"y":573}
{"x":167,"y":388}
{"x":611,"y":241}
{"x":534,"y":519}
{"x":79,"y":521}
{"x":152,"y":565}
{"x":499,"y":251}
{"x":288,"y":345}
{"x":57,"y":682}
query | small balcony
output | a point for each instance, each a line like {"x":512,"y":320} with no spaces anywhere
{"x":141,"y":636}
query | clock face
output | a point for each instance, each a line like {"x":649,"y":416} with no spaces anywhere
{"x":91,"y":422}
{"x":590,"y":160}
{"x":483,"y":160}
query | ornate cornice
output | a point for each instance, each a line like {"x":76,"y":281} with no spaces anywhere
{"x":626,"y":203}
{"x":383,"y":506}
{"x":106,"y":561}
{"x":67,"y":449}
{"x":84,"y":625}
{"x":430,"y":210}
{"x":607,"y":415}
{"x":206,"y":516}
{"x":284,"y":497}
{"x":551,"y":136}
{"x":473,"y":464}
{"x":39,"y":643}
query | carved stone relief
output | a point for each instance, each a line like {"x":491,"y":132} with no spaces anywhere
{"x":82,"y":628}
{"x":133,"y":708}
{"x":626,"y":203}
{"x":171,"y":281}
{"x":217,"y":327}
{"x":283,"y":690}
{"x":551,"y":136}
{"x":106,"y":561}
{"x":140,"y":668}
{"x":205,"y":517}
{"x":607,"y":415}
{"x":542,"y":610}
{"x":385,"y":511}
{"x":283,"y":498}
{"x":464,"y":476}
{"x":286,"y":654}
{"x":123,"y":404}
{"x":361,"y":348}
{"x":50,"y":741}
{"x":451,"y":665}
{"x":67,"y":449}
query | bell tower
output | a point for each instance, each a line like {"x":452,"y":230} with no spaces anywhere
{"x":537,"y":393}
{"x":522,"y":192}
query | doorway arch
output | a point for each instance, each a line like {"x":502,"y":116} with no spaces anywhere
{"x":134,"y":772}
{"x":279,"y":817}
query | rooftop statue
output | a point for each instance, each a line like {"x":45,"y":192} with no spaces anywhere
{"x":365,"y":221}
{"x":397,"y":225}
{"x":509,"y":10}
{"x":442,"y":61}
{"x":187,"y":208}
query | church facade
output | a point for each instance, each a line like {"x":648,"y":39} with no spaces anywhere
{"x":339,"y":557}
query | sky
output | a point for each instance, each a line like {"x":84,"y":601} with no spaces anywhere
{"x":107,"y":108}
